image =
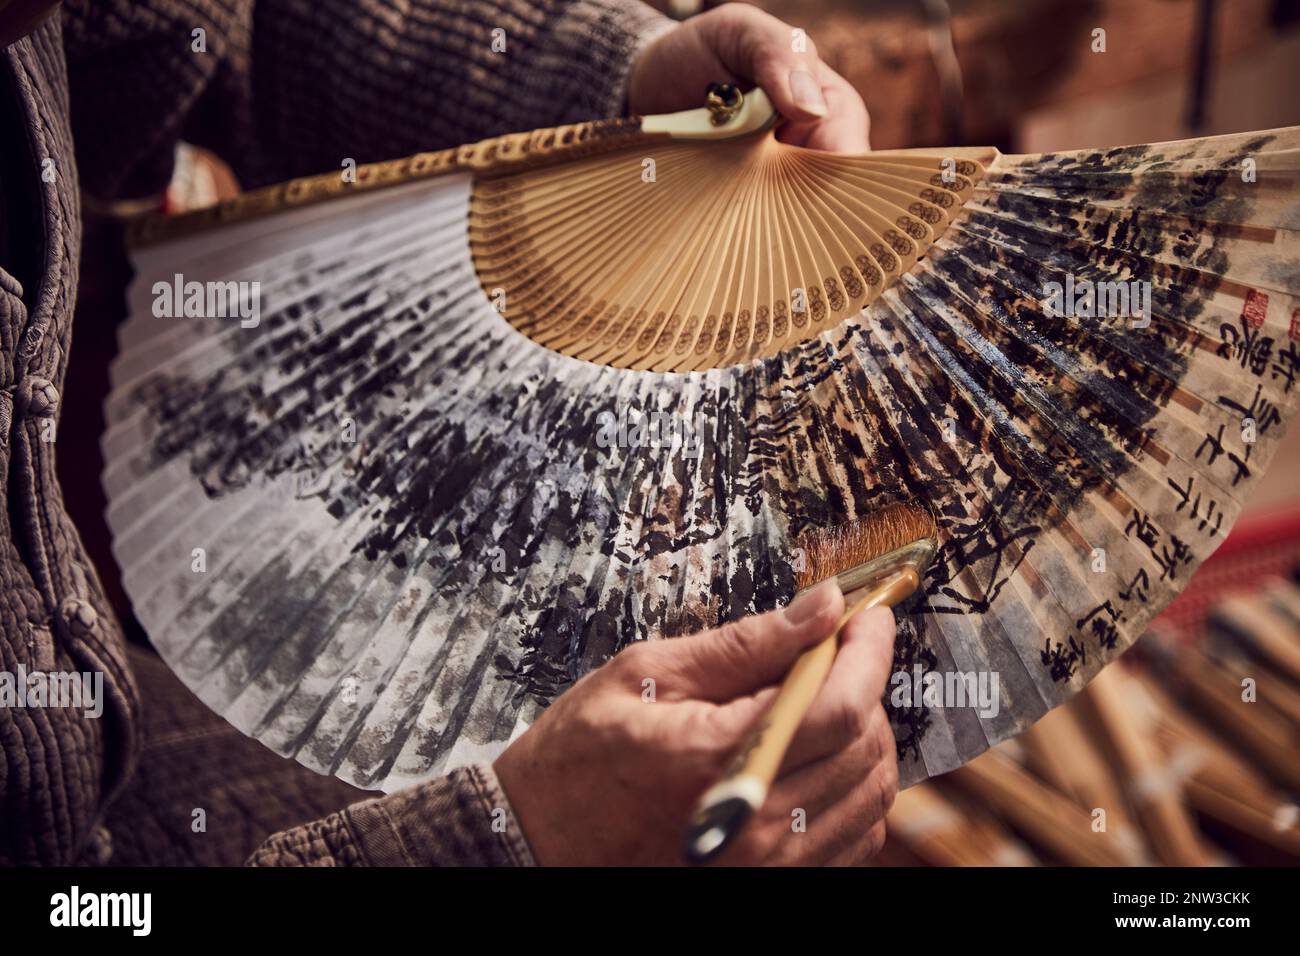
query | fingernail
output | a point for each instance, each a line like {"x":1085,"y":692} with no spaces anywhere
{"x":811,"y":602}
{"x":807,"y":94}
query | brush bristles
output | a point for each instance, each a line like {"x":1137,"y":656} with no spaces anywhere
{"x":829,"y":551}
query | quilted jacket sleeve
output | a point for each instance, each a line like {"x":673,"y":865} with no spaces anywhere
{"x":461,"y":819}
{"x":283,"y":88}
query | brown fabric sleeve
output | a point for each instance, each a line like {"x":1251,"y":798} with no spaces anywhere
{"x":58,"y":764}
{"x":462,"y":819}
{"x":285,"y":88}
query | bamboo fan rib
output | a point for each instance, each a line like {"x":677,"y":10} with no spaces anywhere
{"x":382,"y":525}
{"x":680,"y":257}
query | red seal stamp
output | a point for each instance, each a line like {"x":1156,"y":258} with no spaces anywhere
{"x":1255,"y":309}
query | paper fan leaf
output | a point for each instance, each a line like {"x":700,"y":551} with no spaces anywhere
{"x":528,"y":403}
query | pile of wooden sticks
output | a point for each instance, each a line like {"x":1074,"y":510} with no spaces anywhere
{"x":1186,"y":753}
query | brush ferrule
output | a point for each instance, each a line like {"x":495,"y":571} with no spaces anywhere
{"x":917,"y":554}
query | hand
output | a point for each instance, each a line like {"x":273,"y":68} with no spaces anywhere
{"x":744,"y":45}
{"x":609,"y":776}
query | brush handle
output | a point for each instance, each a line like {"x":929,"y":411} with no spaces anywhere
{"x":725,"y":806}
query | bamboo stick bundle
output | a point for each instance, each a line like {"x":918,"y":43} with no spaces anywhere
{"x":934,"y":829}
{"x":1060,"y":751}
{"x":1223,"y":786}
{"x":1169,"y":751}
{"x":1267,"y":624}
{"x":1275,"y":691}
{"x":1242,"y":804}
{"x":1042,"y":813}
{"x":1000,"y":843}
{"x":1154,"y":787}
{"x":1258,"y":730}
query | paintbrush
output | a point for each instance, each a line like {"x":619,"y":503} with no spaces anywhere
{"x":877,"y":560}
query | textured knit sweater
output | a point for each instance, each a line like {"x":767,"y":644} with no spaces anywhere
{"x":91,"y":104}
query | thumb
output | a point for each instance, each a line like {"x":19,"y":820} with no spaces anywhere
{"x":742,"y":656}
{"x":776,"y":56}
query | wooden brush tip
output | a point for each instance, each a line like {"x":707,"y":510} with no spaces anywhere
{"x":826,"y":552}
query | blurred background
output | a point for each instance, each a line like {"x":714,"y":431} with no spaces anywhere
{"x":1022,"y":75}
{"x":1188,"y":752}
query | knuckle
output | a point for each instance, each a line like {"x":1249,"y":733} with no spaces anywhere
{"x":636,"y":663}
{"x":875,"y":623}
{"x":708,"y":736}
{"x":634,"y":657}
{"x":852,"y":719}
{"x":757,"y":845}
{"x":766,"y":61}
{"x":736,"y":640}
{"x":879,"y":788}
{"x":584,"y":719}
{"x":879,"y":735}
{"x":739,"y":11}
{"x":772,"y":838}
{"x":888,"y":784}
{"x":875,"y":840}
{"x":729,"y":14}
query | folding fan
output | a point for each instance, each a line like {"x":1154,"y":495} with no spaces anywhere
{"x":393,"y":459}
